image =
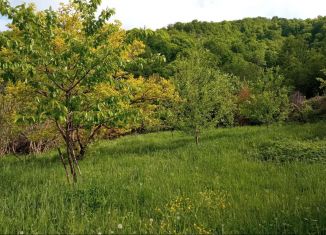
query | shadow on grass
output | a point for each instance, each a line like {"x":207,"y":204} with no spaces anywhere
{"x":163,"y":144}
{"x":138,"y":147}
{"x":127,"y":146}
{"x":43,"y":160}
{"x":240,"y":133}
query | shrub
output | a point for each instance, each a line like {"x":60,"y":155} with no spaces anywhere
{"x":318,"y":105}
{"x":309,"y":110}
{"x":19,"y":137}
{"x":302,"y":113}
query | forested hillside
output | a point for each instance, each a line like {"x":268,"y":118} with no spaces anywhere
{"x":246,"y":48}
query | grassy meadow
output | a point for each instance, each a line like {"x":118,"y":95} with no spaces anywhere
{"x":266,"y":180}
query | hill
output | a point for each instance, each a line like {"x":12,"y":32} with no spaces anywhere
{"x":245,"y":48}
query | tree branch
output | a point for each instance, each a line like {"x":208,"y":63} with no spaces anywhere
{"x":87,"y":73}
{"x":62,"y":132}
{"x":47,"y":71}
{"x":93,"y":133}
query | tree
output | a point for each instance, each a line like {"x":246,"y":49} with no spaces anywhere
{"x":202,"y":90}
{"x":301,"y":64}
{"x":70,"y":58}
{"x":153,"y":99}
{"x":268,"y":101}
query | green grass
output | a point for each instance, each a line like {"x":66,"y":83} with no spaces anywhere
{"x":164,"y":183}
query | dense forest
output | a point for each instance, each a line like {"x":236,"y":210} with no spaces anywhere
{"x":246,"y":48}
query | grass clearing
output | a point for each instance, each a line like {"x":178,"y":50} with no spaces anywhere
{"x":164,"y":183}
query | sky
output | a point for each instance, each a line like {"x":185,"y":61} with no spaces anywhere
{"x":160,"y":13}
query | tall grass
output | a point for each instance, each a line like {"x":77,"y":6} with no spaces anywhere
{"x":164,"y":183}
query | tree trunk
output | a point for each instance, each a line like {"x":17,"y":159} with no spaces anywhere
{"x":69,"y":145}
{"x":197,"y":137}
{"x":64,"y":164}
{"x":70,"y":157}
{"x":82,"y":147}
{"x":75,"y":160}
{"x":82,"y":151}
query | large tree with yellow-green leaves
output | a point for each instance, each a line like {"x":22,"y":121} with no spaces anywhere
{"x":71,"y":59}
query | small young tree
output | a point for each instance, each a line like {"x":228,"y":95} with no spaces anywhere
{"x":204,"y":91}
{"x":69,"y":58}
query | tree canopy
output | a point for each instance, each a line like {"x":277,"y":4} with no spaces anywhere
{"x":248,"y":47}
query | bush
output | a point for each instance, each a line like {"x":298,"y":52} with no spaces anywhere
{"x":301,"y":113}
{"x":19,"y":137}
{"x":309,"y":110}
{"x":318,"y":105}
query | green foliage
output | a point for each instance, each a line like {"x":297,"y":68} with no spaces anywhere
{"x":302,"y":113}
{"x":162,"y":49}
{"x":69,"y":58}
{"x":300,"y":64}
{"x":206,"y":93}
{"x":268,"y":101}
{"x":318,"y":107}
{"x":322,"y":82}
{"x":153,"y":99}
{"x":309,"y":110}
{"x":19,"y":137}
{"x":247,"y":47}
{"x":66,"y":54}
